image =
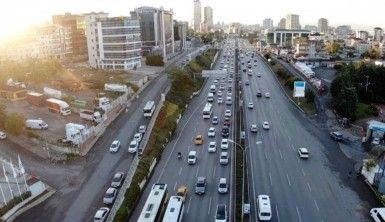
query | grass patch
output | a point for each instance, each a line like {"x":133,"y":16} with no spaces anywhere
{"x":171,"y":109}
{"x":309,"y":108}
{"x":364,"y":111}
{"x":72,"y":156}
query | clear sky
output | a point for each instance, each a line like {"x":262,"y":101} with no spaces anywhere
{"x":17,"y":14}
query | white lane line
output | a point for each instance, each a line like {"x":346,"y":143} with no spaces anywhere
{"x":308,"y":186}
{"x":316,"y":205}
{"x":180,"y":171}
{"x":276,"y":210}
{"x":214,"y":172}
{"x":288,"y":136}
{"x":299,"y":215}
{"x":292,"y":147}
{"x":298,"y":159}
{"x":303,"y":172}
{"x":288,"y":180}
{"x":280,"y":153}
{"x":259,"y":142}
{"x":175,"y":185}
{"x":271,"y":180}
{"x":265,"y":155}
{"x":196,"y":174}
{"x":208,"y":212}
{"x":188,"y":205}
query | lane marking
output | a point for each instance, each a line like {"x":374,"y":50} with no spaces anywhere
{"x":303,"y":172}
{"x":175,"y":185}
{"x":280,"y":153}
{"x":316,"y":205}
{"x":276,"y":210}
{"x":298,"y":159}
{"x":288,"y":180}
{"x":299,"y":215}
{"x":214,"y":172}
{"x":308,"y":185}
{"x":265,"y":155}
{"x":259,"y":142}
{"x":288,"y":136}
{"x":180,"y":171}
{"x":196,"y":174}
{"x":188,"y":205}
{"x":271,"y":181}
{"x":208,"y":212}
{"x":292,"y":147}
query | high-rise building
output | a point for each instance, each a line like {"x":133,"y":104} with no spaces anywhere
{"x":378,"y":34}
{"x":180,"y":34}
{"x":343,"y":31}
{"x":323,"y":25}
{"x":282,"y":23}
{"x":362,"y":35}
{"x":267,"y":23}
{"x":292,"y":21}
{"x":157,"y":30}
{"x":311,"y":28}
{"x":113,"y":42}
{"x":197,"y":15}
{"x":76,"y":25}
{"x":208,"y":17}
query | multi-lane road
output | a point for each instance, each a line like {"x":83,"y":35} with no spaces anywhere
{"x":300,"y":190}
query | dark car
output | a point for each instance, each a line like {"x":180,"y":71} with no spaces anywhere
{"x":225,"y":131}
{"x":259,"y":94}
{"x":337,"y":136}
{"x":227,"y":122}
{"x":200,"y":187}
{"x":244,"y":70}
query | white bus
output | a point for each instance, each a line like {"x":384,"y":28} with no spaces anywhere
{"x":155,"y":204}
{"x":210,"y":97}
{"x":149,"y":108}
{"x":212,"y":88}
{"x":174,"y":210}
{"x":378,"y":214}
{"x":207,"y":111}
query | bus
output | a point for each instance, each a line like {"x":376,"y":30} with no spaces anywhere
{"x":149,"y":109}
{"x":155,"y":204}
{"x":174,"y":210}
{"x":378,"y":214}
{"x":207,"y":111}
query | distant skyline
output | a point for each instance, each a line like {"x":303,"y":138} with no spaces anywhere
{"x":17,"y":14}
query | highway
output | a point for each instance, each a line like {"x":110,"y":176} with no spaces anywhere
{"x":80,"y":192}
{"x":175,"y":173}
{"x":300,"y":190}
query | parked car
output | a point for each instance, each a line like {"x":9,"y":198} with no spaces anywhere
{"x":115,"y":146}
{"x":303,"y":153}
{"x":2,"y":135}
{"x":337,"y":136}
{"x":138,"y":137}
{"x":142,"y":129}
{"x":110,"y":195}
{"x":200,"y":187}
{"x":133,"y":147}
{"x":117,"y":180}
{"x":102,"y":214}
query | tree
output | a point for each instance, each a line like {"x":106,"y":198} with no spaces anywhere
{"x":332,"y":47}
{"x":3,"y":114}
{"x":346,"y":102}
{"x":309,"y":95}
{"x":373,"y":53}
{"x":154,"y":60}
{"x":14,"y":124}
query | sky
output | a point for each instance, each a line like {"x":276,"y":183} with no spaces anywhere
{"x":16,"y":15}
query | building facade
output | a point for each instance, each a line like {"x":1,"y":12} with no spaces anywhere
{"x":267,"y":23}
{"x":362,"y":35}
{"x":282,"y":23}
{"x":180,"y":35}
{"x":378,"y":34}
{"x":292,"y":22}
{"x":157,"y":30}
{"x":76,"y":24}
{"x":285,"y":37}
{"x":197,"y":17}
{"x":113,"y":42}
{"x":208,"y":18}
{"x":323,"y":25}
{"x":311,"y":28}
{"x":343,"y":31}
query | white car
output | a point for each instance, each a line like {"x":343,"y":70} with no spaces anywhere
{"x":376,"y":141}
{"x":224,"y":144}
{"x":192,"y":157}
{"x":142,"y":129}
{"x":228,"y":113}
{"x":212,"y":147}
{"x":222,"y":186}
{"x":224,"y":158}
{"x":2,"y":135}
{"x":115,"y":145}
{"x":254,"y":128}
{"x":220,"y":100}
{"x":133,"y":147}
{"x":266,"y":125}
{"x":211,"y":132}
{"x":267,"y":95}
{"x":259,"y":74}
{"x":101,"y":214}
{"x":219,"y":93}
{"x":250,"y":105}
{"x":138,"y":137}
{"x":303,"y":153}
{"x":110,"y":196}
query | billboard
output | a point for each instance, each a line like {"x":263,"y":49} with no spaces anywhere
{"x":299,"y":89}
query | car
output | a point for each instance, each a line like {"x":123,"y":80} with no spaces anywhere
{"x":337,"y":136}
{"x":253,"y":128}
{"x":266,"y":125}
{"x":221,"y":213}
{"x":376,"y":141}
{"x":226,"y":121}
{"x":229,"y":94}
{"x":215,"y":120}
{"x":115,"y":145}
{"x":117,"y":180}
{"x":199,"y":140}
{"x":138,"y":137}
{"x":215,"y":82}
{"x":224,"y":144}
{"x":228,"y":113}
{"x":224,"y":158}
{"x":220,"y":100}
{"x":259,"y":74}
{"x":110,"y":196}
{"x":267,"y":95}
{"x":192,"y":157}
{"x":200,"y":186}
{"x":182,"y":192}
{"x":264,"y":207}
{"x":219,"y":93}
{"x":225,"y":131}
{"x":133,"y":147}
{"x":102,"y":214}
{"x":212,"y":147}
{"x":2,"y":135}
{"x":142,"y":129}
{"x":303,"y":153}
{"x":211,"y":132}
{"x":250,"y":105}
{"x":247,"y":83}
{"x":222,"y":186}
{"x":259,"y":94}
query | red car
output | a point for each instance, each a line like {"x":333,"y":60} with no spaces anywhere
{"x":226,"y":122}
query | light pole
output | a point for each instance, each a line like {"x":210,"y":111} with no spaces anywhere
{"x":367,"y":83}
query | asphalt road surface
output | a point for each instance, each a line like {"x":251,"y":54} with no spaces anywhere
{"x":300,"y":190}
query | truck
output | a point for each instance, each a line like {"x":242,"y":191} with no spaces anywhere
{"x":77,"y":133}
{"x":115,"y":87}
{"x":91,"y":115}
{"x":36,"y":99}
{"x":36,"y":124}
{"x":58,"y":106}
{"x":103,"y":103}
{"x":52,"y":92}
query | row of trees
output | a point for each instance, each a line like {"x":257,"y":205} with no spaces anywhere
{"x":13,"y":123}
{"x":154,"y":60}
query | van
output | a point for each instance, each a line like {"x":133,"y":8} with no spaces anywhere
{"x":263,"y":207}
{"x":229,"y":101}
{"x":36,"y":124}
{"x":378,"y":214}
